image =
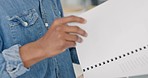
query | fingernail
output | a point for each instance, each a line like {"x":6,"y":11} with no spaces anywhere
{"x":85,"y":21}
{"x":86,"y":35}
{"x":80,"y":40}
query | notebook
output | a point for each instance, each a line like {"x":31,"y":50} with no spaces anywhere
{"x":117,"y":42}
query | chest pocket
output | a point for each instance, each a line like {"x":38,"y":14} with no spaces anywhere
{"x":26,"y":26}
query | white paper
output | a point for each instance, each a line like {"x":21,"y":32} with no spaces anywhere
{"x":115,"y":28}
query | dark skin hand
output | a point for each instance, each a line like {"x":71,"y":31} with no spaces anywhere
{"x":58,"y":38}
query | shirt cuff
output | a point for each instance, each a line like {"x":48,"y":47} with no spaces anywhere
{"x":14,"y":64}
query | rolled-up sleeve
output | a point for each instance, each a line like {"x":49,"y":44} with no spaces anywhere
{"x":11,"y":65}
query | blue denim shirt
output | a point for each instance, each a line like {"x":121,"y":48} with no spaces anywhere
{"x":24,"y":21}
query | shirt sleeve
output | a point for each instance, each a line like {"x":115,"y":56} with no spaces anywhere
{"x":11,"y":65}
{"x":74,"y":55}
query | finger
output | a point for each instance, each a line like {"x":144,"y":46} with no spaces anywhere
{"x":76,"y":30}
{"x":69,"y":19}
{"x":74,"y":38}
{"x":69,"y":44}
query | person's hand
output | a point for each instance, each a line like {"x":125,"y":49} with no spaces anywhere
{"x":58,"y":38}
{"x":61,"y":36}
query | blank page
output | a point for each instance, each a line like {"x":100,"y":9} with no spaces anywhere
{"x":117,"y":39}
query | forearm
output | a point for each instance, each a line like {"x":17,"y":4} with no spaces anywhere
{"x":31,"y":54}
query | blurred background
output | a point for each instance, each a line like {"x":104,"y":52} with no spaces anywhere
{"x":75,"y":7}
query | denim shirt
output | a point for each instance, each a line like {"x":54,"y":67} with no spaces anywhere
{"x":25,"y":21}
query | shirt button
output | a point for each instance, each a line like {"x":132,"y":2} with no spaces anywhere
{"x":46,"y":24}
{"x":25,"y":24}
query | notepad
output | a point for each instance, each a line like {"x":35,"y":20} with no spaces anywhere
{"x":117,"y":42}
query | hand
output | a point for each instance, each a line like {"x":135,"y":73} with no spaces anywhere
{"x":58,"y":38}
{"x":61,"y":36}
